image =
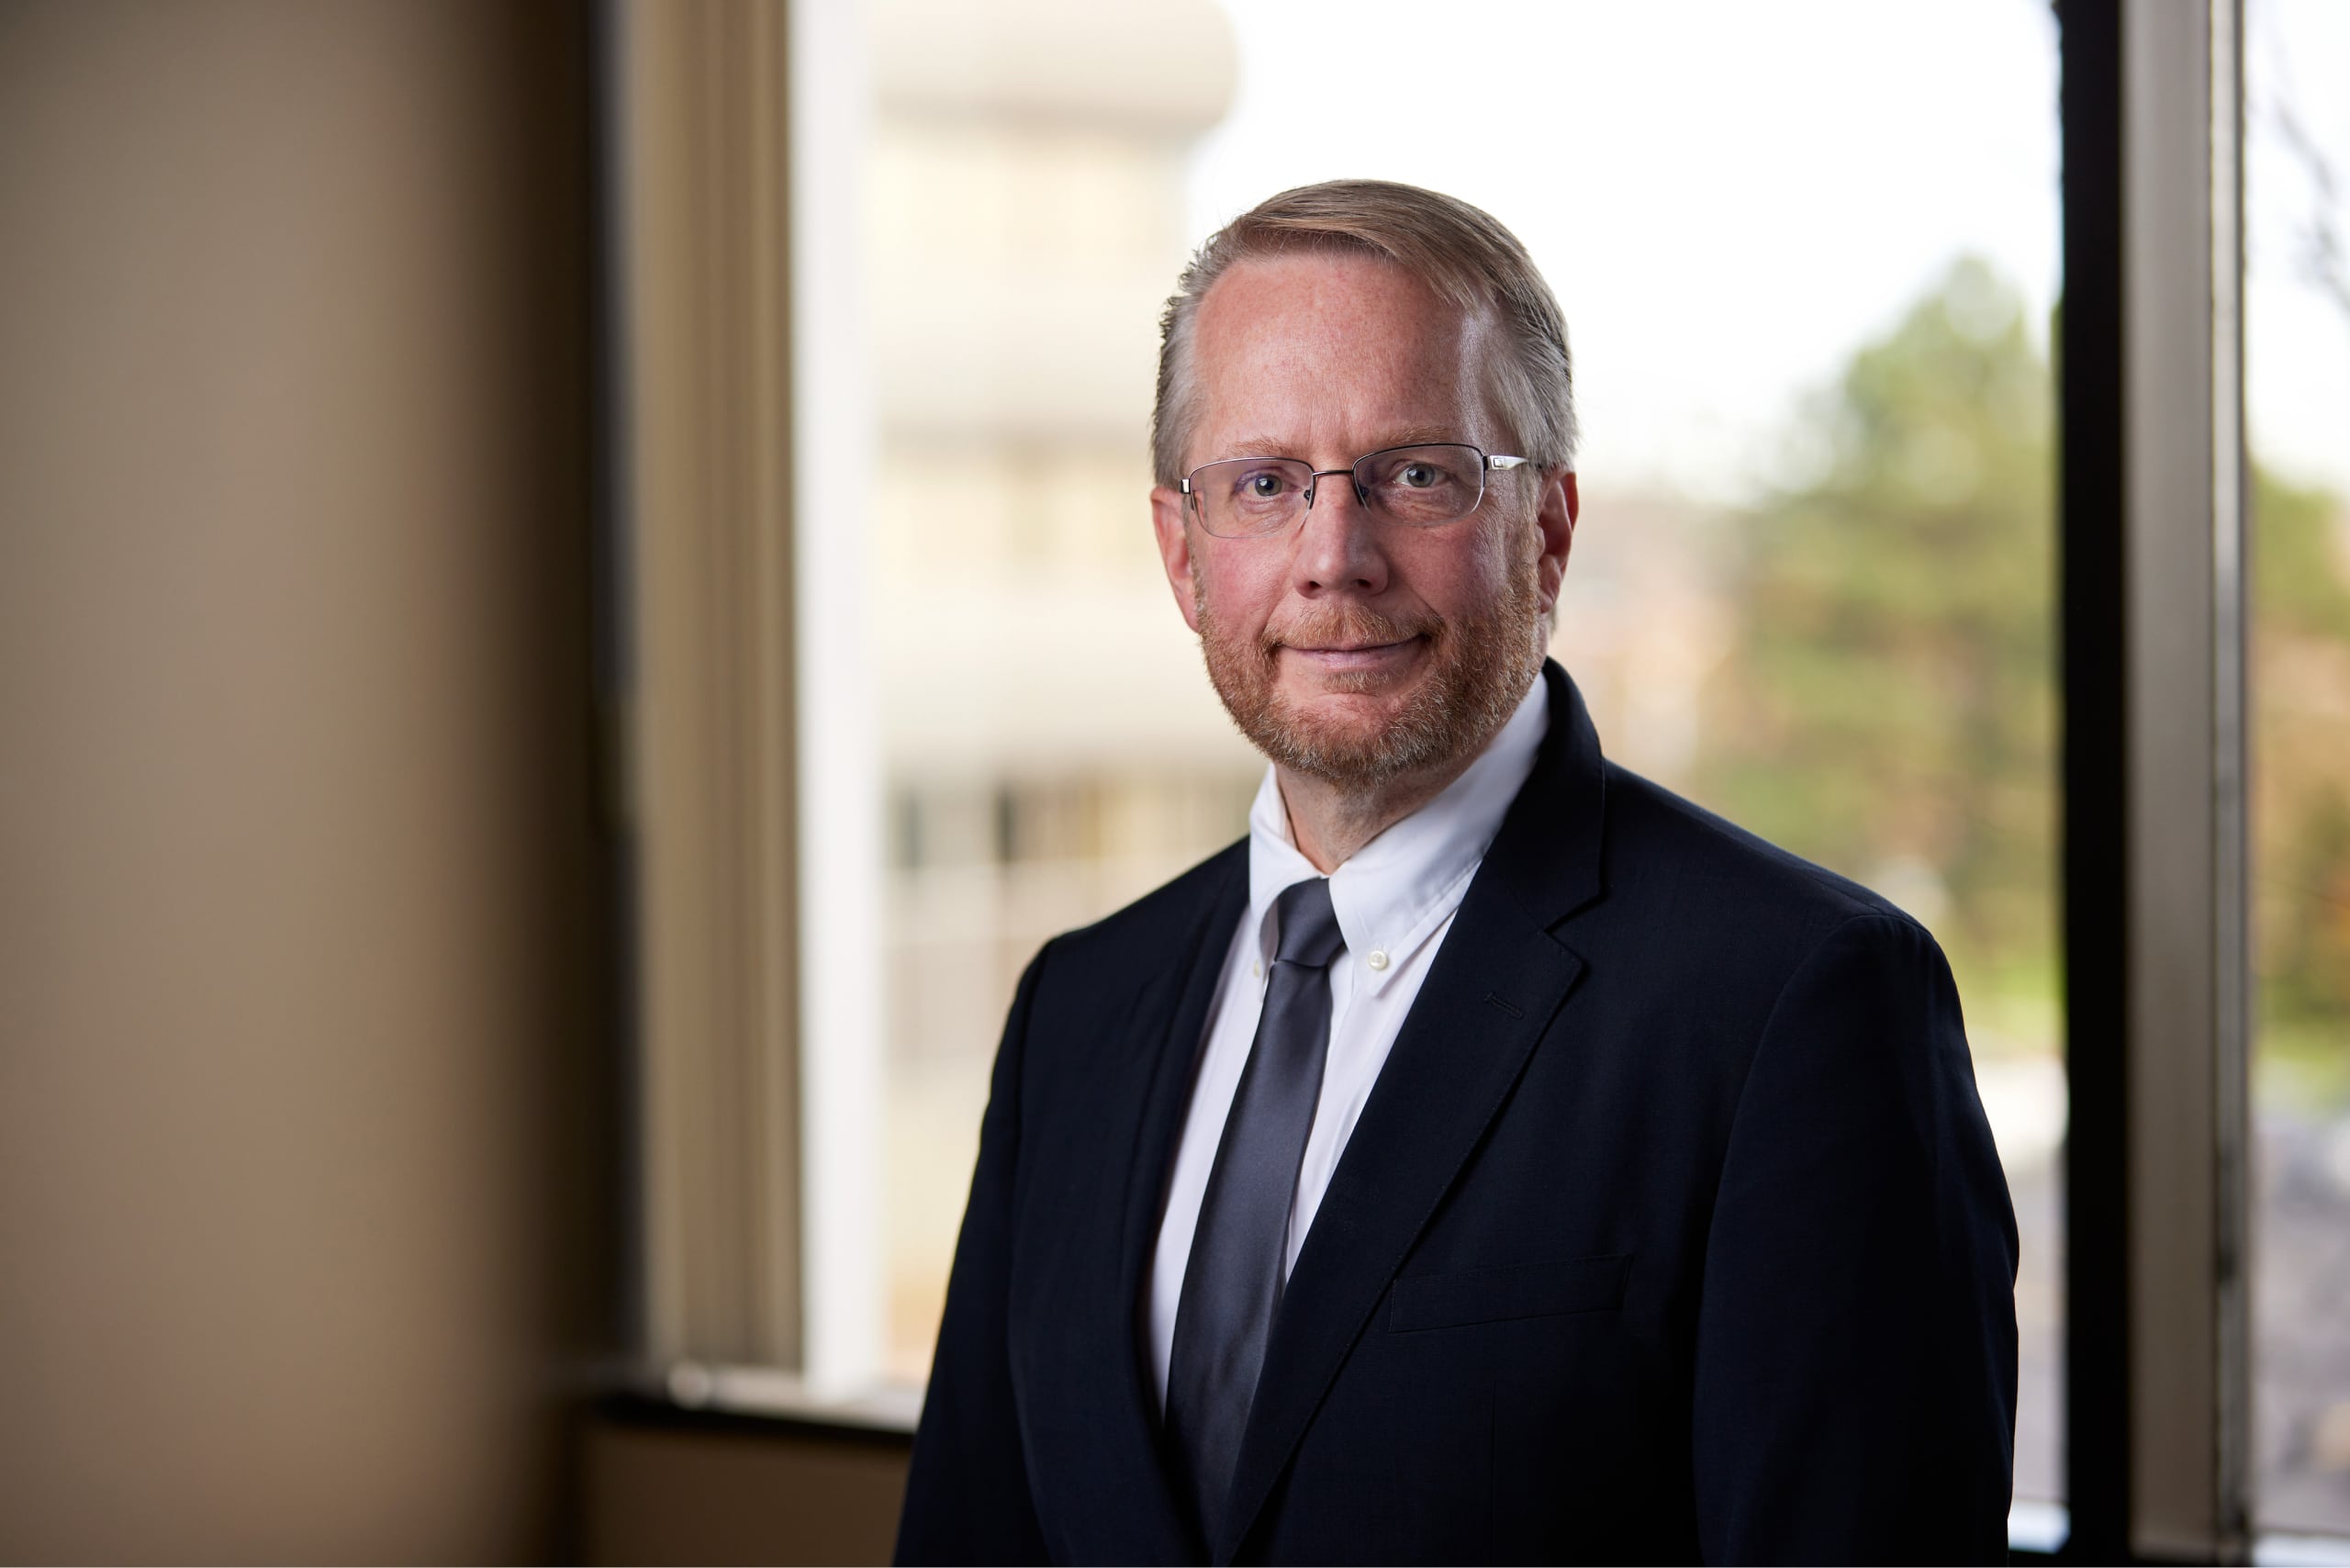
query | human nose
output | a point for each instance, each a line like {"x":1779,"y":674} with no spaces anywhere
{"x":1338,"y":542}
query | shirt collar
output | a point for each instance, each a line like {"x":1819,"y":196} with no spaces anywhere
{"x":1397,"y":889}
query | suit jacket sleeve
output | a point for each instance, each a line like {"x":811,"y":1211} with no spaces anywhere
{"x":1856,"y":1372}
{"x":967,"y":1494}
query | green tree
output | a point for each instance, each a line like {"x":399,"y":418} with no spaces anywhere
{"x":1889,"y":709}
{"x":2301,"y":775}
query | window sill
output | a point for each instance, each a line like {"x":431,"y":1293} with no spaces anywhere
{"x":693,"y":1393}
{"x":753,"y":1400}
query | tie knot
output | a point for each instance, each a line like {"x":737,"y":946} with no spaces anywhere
{"x":1309,"y":925}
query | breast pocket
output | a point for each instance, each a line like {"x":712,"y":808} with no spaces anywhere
{"x":1495,"y":1295}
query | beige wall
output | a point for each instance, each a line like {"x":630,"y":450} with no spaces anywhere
{"x":300,"y":1192}
{"x":723,"y":1491}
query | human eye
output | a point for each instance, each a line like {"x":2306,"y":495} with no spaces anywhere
{"x":1423,"y":485}
{"x":1413,"y":470}
{"x":1259,"y":484}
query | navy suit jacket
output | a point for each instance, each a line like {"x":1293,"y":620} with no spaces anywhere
{"x":1672,"y":1230}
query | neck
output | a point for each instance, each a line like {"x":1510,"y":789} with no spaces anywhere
{"x":1329,"y":822}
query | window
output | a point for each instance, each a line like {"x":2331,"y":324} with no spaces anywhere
{"x":1813,"y":586}
{"x":2297,"y":353}
{"x":905,"y":693}
{"x":1049,"y":749}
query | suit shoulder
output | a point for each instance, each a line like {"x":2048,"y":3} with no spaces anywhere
{"x":1658,"y":836}
{"x":1084,"y":979}
{"x":1718,"y":928}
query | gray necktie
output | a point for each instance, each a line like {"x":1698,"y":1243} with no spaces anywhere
{"x":1233,"y":1283}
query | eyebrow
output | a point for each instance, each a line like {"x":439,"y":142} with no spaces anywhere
{"x":1414,"y":435}
{"x":1250,"y":447}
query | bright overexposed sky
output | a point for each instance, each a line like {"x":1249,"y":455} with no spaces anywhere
{"x":2296,"y":335}
{"x":1730,"y":197}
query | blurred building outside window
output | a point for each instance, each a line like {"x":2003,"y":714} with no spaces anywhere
{"x":1050,"y":749}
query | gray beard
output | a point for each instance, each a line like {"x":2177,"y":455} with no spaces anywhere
{"x":1483,"y":666}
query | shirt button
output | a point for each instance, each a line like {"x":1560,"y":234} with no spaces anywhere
{"x":1256,"y":968}
{"x":1377,"y":959}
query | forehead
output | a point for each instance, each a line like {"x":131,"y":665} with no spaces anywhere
{"x":1331,"y":355}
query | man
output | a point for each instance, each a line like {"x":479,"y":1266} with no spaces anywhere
{"x":1493,"y":1156}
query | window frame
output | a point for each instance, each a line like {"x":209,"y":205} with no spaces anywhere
{"x":2157,"y":961}
{"x":777,"y":1306}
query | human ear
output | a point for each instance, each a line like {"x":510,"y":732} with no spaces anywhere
{"x":1175,"y":550}
{"x":1554,"y":517}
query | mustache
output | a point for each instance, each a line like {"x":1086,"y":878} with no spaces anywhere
{"x":1348,"y":626}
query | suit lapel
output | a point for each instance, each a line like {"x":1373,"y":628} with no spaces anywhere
{"x":1160,"y":1044}
{"x":1452,"y":1067}
{"x":1492,"y":992}
{"x":1171,"y":1061}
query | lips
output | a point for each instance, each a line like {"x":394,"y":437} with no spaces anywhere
{"x":1356,"y":658}
{"x":1349,"y":647}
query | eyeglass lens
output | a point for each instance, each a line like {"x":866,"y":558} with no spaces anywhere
{"x":1419,"y":487}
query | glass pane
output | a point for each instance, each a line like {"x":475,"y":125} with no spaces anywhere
{"x":1051,"y":749}
{"x":2297,"y":362}
{"x":1808,"y":255}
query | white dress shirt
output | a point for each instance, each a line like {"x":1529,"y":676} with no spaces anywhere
{"x":1395,"y":900}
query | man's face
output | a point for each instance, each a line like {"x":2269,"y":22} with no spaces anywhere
{"x":1346,"y":647}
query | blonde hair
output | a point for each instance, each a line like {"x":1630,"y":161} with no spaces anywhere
{"x":1459,"y":251}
